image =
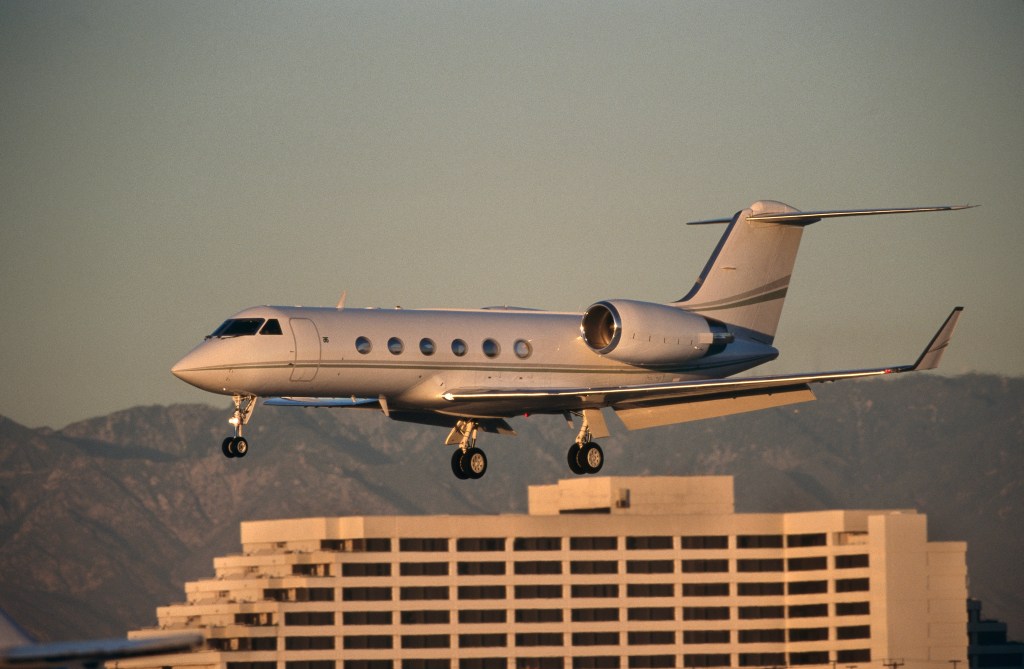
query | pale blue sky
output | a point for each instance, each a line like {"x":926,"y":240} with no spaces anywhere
{"x":166,"y":164}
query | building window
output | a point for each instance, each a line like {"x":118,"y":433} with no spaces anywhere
{"x":309,"y":618}
{"x":366,"y":594}
{"x":808,"y":634}
{"x":855,"y":655}
{"x":413,"y":593}
{"x":649,"y":566}
{"x":853,"y":608}
{"x":763,"y":636}
{"x":598,"y":590}
{"x":539,"y":663}
{"x":538,"y":591}
{"x":480,"y":544}
{"x":759,"y":541}
{"x":651,"y":661}
{"x":523,"y":349}
{"x":852,"y":585}
{"x":420,"y":545}
{"x":539,"y":639}
{"x":808,"y":611}
{"x":491,"y":348}
{"x":596,"y":662}
{"x":851,"y":561}
{"x":366,"y":618}
{"x":761,"y":589}
{"x":595,"y":615}
{"x":648,"y":638}
{"x":436,"y":663}
{"x":650,"y":590}
{"x":594,"y":567}
{"x":538,"y":615}
{"x":474,"y":616}
{"x":538,"y":567}
{"x":761,"y":612}
{"x":324,"y":664}
{"x":423,"y":569}
{"x":363,"y":345}
{"x":593,"y":543}
{"x":806,"y":564}
{"x":806,"y":587}
{"x":365,"y":569}
{"x":595,"y":638}
{"x":483,"y":663}
{"x":705,"y":542}
{"x":459,"y":347}
{"x":481,"y":592}
{"x":763,"y":565}
{"x":427,"y":617}
{"x":854,"y":632}
{"x":481,"y":568}
{"x":483,"y":641}
{"x":706,"y":636}
{"x":812,"y":657}
{"x":706,"y":660}
{"x":648,"y":543}
{"x":366,"y":641}
{"x":651,"y":613}
{"x":396,"y":346}
{"x":374,"y":545}
{"x":537,"y":544}
{"x":426,"y":641}
{"x":705,"y":566}
{"x":803,"y":540}
{"x":309,"y":643}
{"x":705,"y":613}
{"x":705,"y":589}
{"x":762,"y":659}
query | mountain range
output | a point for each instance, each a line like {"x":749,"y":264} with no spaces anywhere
{"x":106,"y":519}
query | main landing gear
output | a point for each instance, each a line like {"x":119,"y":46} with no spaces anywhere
{"x":585,"y":456}
{"x":468,"y":461}
{"x":237,"y":446}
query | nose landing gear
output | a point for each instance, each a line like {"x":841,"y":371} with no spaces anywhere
{"x":237,"y":446}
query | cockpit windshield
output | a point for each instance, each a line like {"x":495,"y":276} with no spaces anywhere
{"x":242,"y":327}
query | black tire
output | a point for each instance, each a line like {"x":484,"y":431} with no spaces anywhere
{"x":573,"y":459}
{"x":240,"y":447}
{"x":474,"y":463}
{"x":227,"y":447}
{"x":591,"y":458}
{"x":457,"y":465}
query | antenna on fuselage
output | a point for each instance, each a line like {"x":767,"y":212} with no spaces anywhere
{"x":341,"y":302}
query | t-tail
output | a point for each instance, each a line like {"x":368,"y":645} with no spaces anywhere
{"x":745,"y":280}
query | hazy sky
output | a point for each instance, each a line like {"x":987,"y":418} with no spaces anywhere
{"x":166,"y":164}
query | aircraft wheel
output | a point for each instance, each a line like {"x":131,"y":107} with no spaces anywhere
{"x":457,"y":465}
{"x":474,"y":463}
{"x":591,"y":458}
{"x":226,"y":447}
{"x":574,"y":465}
{"x":240,"y":447}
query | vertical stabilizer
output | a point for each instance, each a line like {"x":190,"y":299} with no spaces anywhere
{"x":744,"y":282}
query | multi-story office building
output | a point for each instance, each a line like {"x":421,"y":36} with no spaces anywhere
{"x":602,"y":572}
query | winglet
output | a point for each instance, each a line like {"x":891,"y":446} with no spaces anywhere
{"x":931,"y":355}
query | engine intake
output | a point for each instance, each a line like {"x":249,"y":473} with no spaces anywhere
{"x":645,"y":333}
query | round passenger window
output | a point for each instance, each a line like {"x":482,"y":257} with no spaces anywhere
{"x":427,"y":346}
{"x":395,"y":345}
{"x":459,"y":347}
{"x":523,"y":348}
{"x":363,"y":345}
{"x":491,"y":348}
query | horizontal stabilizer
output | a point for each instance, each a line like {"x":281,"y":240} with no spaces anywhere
{"x":808,"y":217}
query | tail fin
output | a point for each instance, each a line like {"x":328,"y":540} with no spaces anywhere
{"x":745,"y":281}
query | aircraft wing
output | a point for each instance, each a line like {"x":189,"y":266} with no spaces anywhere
{"x":667,"y":403}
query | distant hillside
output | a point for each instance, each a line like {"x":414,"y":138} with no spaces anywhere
{"x":105,"y":520}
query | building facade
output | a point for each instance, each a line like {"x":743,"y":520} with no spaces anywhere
{"x":601,"y":573}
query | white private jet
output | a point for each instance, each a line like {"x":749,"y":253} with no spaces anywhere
{"x":470,"y":370}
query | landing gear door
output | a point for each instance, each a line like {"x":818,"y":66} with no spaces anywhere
{"x":307,"y":349}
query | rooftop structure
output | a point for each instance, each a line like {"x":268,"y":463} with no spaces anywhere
{"x":601,"y":573}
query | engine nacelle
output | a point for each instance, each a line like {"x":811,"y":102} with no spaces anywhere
{"x":645,"y":333}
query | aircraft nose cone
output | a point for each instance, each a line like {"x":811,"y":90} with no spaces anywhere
{"x":191,"y":368}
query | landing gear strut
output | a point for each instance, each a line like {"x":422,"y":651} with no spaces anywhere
{"x":237,"y":446}
{"x":585,"y":456}
{"x":468,"y":461}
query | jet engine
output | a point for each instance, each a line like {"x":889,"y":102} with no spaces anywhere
{"x":645,"y":333}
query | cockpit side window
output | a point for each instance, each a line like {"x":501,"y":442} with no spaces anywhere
{"x":272,"y":327}
{"x":239,"y":327}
